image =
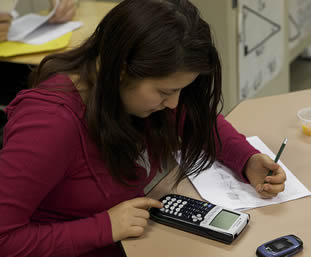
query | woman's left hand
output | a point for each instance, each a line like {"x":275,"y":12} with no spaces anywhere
{"x":64,"y":11}
{"x":256,"y":170}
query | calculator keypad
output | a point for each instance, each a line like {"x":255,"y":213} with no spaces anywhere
{"x":184,"y":208}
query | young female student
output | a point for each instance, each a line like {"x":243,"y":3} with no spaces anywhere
{"x":146,"y":84}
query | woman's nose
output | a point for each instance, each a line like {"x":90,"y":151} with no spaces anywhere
{"x":172,"y":100}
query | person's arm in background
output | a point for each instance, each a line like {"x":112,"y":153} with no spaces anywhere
{"x":5,"y":23}
{"x":64,"y":12}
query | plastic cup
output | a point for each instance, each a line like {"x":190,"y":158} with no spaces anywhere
{"x":304,"y":116}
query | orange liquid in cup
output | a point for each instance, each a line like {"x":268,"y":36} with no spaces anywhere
{"x":306,"y":130}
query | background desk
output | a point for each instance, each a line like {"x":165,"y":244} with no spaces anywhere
{"x":90,"y":13}
{"x":271,"y":118}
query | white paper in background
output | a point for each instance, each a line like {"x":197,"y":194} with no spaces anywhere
{"x":34,"y":29}
{"x":23,"y":26}
{"x":299,"y":18}
{"x":219,"y":185}
{"x":261,"y":44}
{"x":49,"y":32}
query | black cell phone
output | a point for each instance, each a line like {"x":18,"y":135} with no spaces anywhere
{"x":283,"y":246}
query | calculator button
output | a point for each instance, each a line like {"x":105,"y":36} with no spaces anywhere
{"x":179,"y":201}
{"x":164,"y":201}
{"x":173,"y":199}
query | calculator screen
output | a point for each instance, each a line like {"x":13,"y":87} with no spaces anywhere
{"x":224,"y":219}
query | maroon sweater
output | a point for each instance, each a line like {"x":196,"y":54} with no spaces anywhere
{"x":54,"y":188}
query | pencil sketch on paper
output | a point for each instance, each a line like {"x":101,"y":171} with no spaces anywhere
{"x":227,"y":182}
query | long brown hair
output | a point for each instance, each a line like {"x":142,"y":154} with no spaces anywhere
{"x":147,"y":39}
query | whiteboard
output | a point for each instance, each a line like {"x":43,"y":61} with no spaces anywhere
{"x":299,"y":18}
{"x":261,"y":44}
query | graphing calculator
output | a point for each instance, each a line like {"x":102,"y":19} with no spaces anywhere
{"x":201,"y":218}
{"x":284,"y":246}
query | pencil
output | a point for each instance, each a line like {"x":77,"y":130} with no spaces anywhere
{"x":277,"y":157}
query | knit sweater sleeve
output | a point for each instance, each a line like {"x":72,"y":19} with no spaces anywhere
{"x":235,"y":150}
{"x":38,"y":150}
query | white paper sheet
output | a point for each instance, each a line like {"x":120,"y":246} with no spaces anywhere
{"x":49,"y":32}
{"x":220,"y":186}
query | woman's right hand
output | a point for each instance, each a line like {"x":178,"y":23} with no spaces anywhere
{"x":5,"y":23}
{"x":129,"y":218}
{"x":64,"y":12}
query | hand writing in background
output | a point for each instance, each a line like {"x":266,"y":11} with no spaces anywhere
{"x":64,"y":12}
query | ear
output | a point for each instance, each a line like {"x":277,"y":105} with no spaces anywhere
{"x":123,"y":72}
{"x":122,"y":75}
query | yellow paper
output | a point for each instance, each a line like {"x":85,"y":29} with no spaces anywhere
{"x":10,"y":48}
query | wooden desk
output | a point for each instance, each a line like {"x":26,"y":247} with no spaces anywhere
{"x":272,"y":119}
{"x":90,"y":13}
